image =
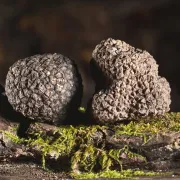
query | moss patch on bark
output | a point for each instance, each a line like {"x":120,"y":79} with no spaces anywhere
{"x":84,"y":146}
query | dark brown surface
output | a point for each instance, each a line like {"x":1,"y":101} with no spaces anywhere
{"x":29,"y":171}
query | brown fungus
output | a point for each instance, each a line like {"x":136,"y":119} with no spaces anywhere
{"x":129,"y":87}
{"x":44,"y":87}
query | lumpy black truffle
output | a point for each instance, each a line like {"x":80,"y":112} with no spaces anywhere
{"x":127,"y":83}
{"x":44,"y":87}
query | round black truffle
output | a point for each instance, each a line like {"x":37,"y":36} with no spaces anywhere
{"x":130,"y":87}
{"x":44,"y":87}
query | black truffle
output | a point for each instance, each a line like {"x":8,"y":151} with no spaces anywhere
{"x":130,"y":87}
{"x":44,"y":87}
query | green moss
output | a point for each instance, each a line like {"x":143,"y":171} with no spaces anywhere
{"x":162,"y":124}
{"x":124,"y":174}
{"x":77,"y":143}
{"x":60,"y":143}
{"x":14,"y":138}
{"x":82,"y":109}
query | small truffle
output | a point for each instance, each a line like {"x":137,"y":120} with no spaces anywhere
{"x":44,"y":87}
{"x":130,"y":87}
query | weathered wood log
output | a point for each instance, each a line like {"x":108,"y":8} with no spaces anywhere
{"x":160,"y":152}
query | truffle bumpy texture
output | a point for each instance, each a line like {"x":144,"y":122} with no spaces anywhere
{"x":44,"y":87}
{"x":132,"y":88}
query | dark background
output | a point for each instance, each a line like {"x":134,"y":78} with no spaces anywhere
{"x":74,"y":27}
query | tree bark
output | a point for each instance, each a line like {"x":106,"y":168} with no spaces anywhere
{"x":161,"y":151}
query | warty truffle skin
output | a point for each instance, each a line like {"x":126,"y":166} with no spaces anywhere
{"x":131,"y":87}
{"x":44,"y":87}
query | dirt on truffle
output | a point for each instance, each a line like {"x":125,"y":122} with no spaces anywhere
{"x":28,"y":171}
